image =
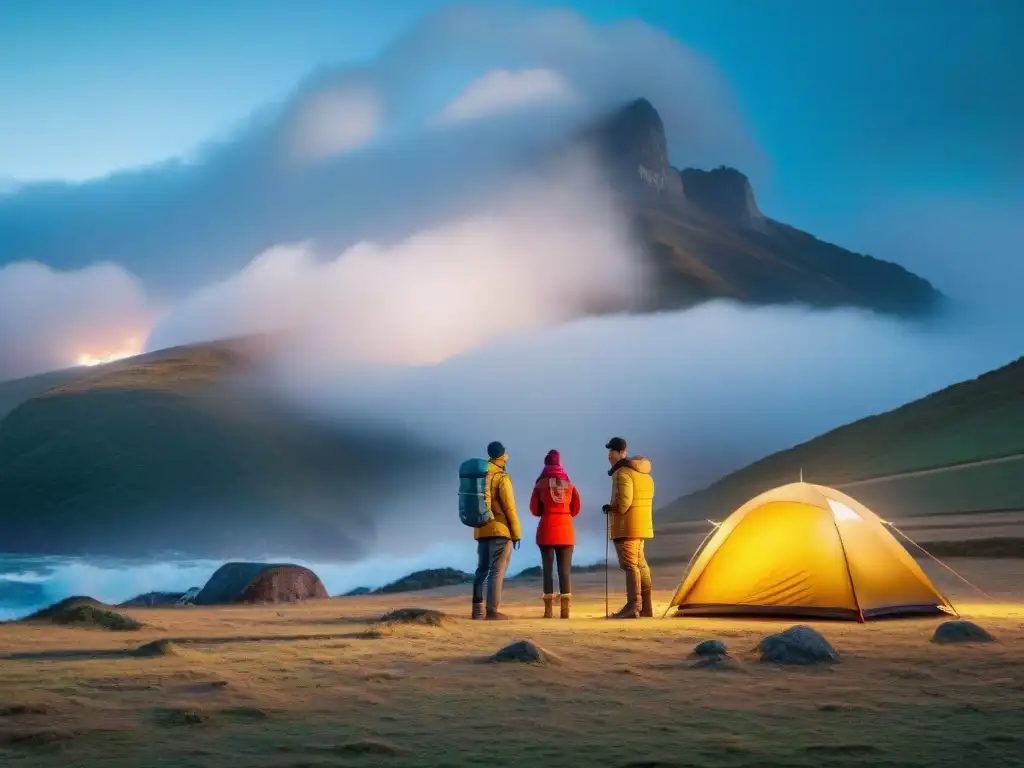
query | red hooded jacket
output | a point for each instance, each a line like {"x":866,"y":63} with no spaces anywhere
{"x":556,"y":502}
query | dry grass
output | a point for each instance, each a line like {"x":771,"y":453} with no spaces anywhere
{"x":327,"y":684}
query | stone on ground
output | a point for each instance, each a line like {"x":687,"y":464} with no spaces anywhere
{"x":797,"y":645}
{"x":961,"y":632}
{"x":524,"y":651}
{"x":710,"y":648}
{"x":422,"y":616}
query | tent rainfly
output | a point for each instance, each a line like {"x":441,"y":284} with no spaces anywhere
{"x":806,"y":550}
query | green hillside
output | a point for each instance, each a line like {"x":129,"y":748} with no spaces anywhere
{"x":969,"y":422}
{"x":173,"y":452}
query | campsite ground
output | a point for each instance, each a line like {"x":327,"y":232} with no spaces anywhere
{"x":322,"y":685}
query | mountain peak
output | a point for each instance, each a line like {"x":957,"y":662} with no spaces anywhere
{"x":723,"y":192}
{"x":633,"y":140}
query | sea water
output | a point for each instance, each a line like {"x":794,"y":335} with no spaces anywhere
{"x":28,"y":583}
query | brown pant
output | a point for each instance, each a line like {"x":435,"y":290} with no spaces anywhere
{"x":633,"y":561}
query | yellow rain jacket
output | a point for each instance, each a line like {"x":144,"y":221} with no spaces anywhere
{"x":503,"y":504}
{"x":632,"y":506}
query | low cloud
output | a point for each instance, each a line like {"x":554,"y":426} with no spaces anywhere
{"x":540,"y":250}
{"x":334,"y":120}
{"x":51,"y":319}
{"x":502,"y":90}
{"x":701,"y":392}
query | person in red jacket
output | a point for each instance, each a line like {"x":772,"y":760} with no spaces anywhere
{"x":556,"y":502}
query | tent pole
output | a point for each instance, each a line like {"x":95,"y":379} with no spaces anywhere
{"x":849,"y":573}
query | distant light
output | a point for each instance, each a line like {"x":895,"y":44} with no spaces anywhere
{"x":88,"y":360}
{"x":842,"y":512}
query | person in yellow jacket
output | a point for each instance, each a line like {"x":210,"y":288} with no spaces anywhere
{"x":630,"y":524}
{"x":496,"y":539}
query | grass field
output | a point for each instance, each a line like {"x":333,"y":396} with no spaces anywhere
{"x":323,"y":684}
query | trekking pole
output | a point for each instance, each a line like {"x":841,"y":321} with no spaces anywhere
{"x":607,"y":542}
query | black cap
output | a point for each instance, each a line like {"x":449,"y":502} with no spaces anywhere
{"x":495,"y":450}
{"x":616,"y":444}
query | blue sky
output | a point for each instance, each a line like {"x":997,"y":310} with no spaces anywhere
{"x":850,"y":99}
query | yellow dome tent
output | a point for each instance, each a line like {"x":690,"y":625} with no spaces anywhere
{"x":804,"y":549}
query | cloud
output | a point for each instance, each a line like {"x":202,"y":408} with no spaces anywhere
{"x":701,"y":392}
{"x":334,"y":120}
{"x":501,"y":89}
{"x":542,"y":249}
{"x":49,"y":319}
{"x":181,"y":225}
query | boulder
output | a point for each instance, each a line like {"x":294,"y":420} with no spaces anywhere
{"x":151,"y":599}
{"x":710,"y":648}
{"x":961,"y":632}
{"x":523,"y":651}
{"x":261,"y":583}
{"x":432,"y":578}
{"x":797,"y":645}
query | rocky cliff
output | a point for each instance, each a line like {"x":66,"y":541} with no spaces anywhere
{"x":707,"y":238}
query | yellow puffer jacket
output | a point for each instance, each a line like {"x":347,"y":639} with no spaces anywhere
{"x":632,"y":507}
{"x":503,"y":504}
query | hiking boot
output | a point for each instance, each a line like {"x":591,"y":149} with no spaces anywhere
{"x":628,"y":611}
{"x":566,"y":601}
{"x":495,"y":615}
{"x":646,"y":605}
{"x":548,"y":600}
{"x":478,"y":611}
{"x":631,"y":610}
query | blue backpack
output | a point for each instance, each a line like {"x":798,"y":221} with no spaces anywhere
{"x":474,"y":494}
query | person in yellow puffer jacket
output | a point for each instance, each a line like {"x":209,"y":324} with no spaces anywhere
{"x":630,"y":524}
{"x":496,"y":539}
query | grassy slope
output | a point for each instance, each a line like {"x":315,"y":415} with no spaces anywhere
{"x":168,"y":452}
{"x":969,"y":421}
{"x":701,"y":257}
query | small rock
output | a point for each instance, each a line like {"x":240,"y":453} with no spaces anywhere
{"x":523,"y":651}
{"x":710,"y":648}
{"x":192,"y":717}
{"x":797,"y":645}
{"x":961,"y":632}
{"x":423,"y":616}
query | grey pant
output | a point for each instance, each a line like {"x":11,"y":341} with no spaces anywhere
{"x":492,"y":561}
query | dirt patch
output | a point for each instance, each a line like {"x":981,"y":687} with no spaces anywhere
{"x":158,"y":648}
{"x":17,"y":710}
{"x":842,"y":750}
{"x":173,"y":716}
{"x":368,"y":748}
{"x":37,"y":738}
{"x":246,"y":713}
